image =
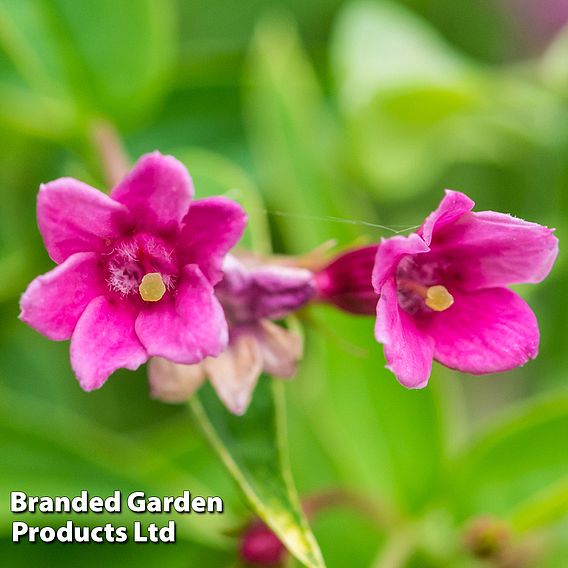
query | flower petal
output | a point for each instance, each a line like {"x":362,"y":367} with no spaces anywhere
{"x":391,"y":252}
{"x":489,"y":250}
{"x":158,"y":191}
{"x":453,"y":206}
{"x":53,"y":302}
{"x":235,"y":372}
{"x":266,"y":291}
{"x":104,"y":341}
{"x":171,"y":382}
{"x":188,"y":328}
{"x":211,"y":228}
{"x":488,"y":331}
{"x":281,"y":349}
{"x":408,"y":349}
{"x":280,"y":290}
{"x":75,"y":217}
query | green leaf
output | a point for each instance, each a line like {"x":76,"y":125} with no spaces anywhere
{"x":294,"y":139}
{"x":553,"y":66}
{"x":93,"y":555}
{"x":380,"y":46}
{"x":214,"y":174}
{"x":504,"y":470}
{"x":254,"y":450}
{"x":97,"y":57}
{"x":63,"y":460}
{"x":544,"y":508}
{"x":400,"y":87}
{"x":34,"y":114}
{"x":557,"y":547}
{"x":125,"y":49}
{"x":384,"y":440}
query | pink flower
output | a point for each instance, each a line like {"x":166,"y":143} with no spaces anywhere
{"x":346,"y":281}
{"x":443,"y":295}
{"x":251,"y":297}
{"x":135,"y":270}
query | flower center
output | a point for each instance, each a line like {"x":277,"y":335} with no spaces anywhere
{"x":419,"y":285}
{"x":436,"y":297}
{"x":152,"y":287}
{"x":143,"y":265}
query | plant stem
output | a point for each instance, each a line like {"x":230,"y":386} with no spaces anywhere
{"x":397,"y":550}
{"x":110,"y":150}
{"x":379,"y":515}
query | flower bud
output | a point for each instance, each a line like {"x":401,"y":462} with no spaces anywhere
{"x":266,"y":291}
{"x":346,"y":281}
{"x":487,"y":538}
{"x":260,"y":546}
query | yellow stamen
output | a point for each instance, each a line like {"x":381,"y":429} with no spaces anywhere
{"x":152,"y":287}
{"x":438,"y":298}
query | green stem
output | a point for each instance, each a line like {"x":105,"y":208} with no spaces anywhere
{"x":397,"y":550}
{"x":110,"y":151}
{"x":377,"y":514}
{"x":296,"y":536}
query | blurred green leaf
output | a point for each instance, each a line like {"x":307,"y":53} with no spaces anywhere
{"x":293,"y":138}
{"x":508,"y":466}
{"x":254,"y":450}
{"x":34,"y":114}
{"x":384,"y":440}
{"x":553,"y":65}
{"x":14,"y":266}
{"x":71,"y":555}
{"x":400,"y":85}
{"x":556,"y":547}
{"x":382,"y":46}
{"x":65,"y":460}
{"x":356,"y":533}
{"x":214,"y":174}
{"x":544,"y":508}
{"x":125,"y":49}
{"x":97,"y":57}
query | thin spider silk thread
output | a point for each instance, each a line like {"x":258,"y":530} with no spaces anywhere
{"x":391,"y":229}
{"x":330,"y":218}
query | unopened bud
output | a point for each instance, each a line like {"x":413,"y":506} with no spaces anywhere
{"x":487,"y":538}
{"x":346,"y":282}
{"x":260,"y":546}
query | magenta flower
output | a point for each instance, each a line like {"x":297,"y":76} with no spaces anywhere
{"x":136,"y":270}
{"x":251,"y":297}
{"x":443,"y":295}
{"x":346,"y":282}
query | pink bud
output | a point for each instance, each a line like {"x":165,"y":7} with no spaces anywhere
{"x":346,"y":281}
{"x":261,"y":547}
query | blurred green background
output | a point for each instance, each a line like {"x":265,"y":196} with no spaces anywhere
{"x":363,"y":110}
